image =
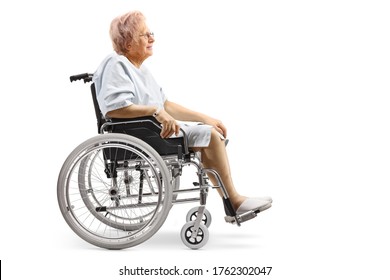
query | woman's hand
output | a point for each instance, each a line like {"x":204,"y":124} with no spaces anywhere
{"x":169,"y":124}
{"x":217,"y":124}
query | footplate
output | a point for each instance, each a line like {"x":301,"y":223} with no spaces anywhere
{"x":238,"y":219}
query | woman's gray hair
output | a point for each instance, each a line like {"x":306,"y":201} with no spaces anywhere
{"x":123,"y":29}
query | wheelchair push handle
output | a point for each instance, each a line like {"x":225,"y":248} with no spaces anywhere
{"x":85,"y":76}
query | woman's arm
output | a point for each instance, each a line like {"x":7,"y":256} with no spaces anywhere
{"x":132,"y":111}
{"x":184,"y":114}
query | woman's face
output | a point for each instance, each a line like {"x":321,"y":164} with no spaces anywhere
{"x":142,"y":45}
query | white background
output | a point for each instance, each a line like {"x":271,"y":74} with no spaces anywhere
{"x":303,"y":87}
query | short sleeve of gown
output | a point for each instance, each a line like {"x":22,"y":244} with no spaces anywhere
{"x":117,"y":89}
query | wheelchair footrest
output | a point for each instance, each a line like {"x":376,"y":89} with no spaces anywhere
{"x":238,"y":219}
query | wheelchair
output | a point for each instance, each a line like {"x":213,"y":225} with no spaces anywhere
{"x":115,"y":190}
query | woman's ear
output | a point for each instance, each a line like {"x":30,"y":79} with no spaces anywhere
{"x":128,"y":47}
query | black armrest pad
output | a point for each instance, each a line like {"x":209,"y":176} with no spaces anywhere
{"x":148,"y":130}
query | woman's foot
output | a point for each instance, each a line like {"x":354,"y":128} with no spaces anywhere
{"x":238,"y":201}
{"x":248,"y":209}
{"x":254,"y":204}
{"x":266,"y":198}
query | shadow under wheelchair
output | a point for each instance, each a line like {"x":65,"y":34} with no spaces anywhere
{"x":169,"y":239}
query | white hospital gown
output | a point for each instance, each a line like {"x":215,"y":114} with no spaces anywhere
{"x":119,"y":84}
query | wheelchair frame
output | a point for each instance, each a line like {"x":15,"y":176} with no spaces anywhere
{"x":116,"y":189}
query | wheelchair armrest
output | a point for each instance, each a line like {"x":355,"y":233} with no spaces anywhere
{"x":147,"y":129}
{"x":136,"y":122}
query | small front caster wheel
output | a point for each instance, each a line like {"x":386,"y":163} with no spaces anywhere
{"x":199,"y":239}
{"x":193,"y":214}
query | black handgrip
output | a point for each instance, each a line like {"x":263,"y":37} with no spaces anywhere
{"x":85,"y":76}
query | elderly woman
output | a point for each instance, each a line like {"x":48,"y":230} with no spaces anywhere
{"x":126,"y":89}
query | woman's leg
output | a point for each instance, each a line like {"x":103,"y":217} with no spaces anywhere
{"x":215,"y":157}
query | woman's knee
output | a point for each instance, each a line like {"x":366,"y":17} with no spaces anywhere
{"x":216,"y":137}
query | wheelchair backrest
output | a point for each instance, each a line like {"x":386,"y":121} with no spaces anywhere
{"x":99,"y":116}
{"x":87,"y":77}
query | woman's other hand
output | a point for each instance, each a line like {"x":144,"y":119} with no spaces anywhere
{"x":218,"y":125}
{"x":168,"y":123}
